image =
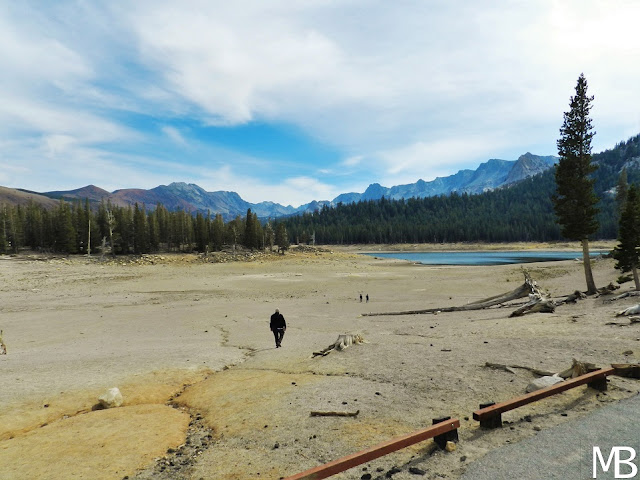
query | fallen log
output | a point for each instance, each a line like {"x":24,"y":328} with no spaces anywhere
{"x":527,"y":288}
{"x":343,"y":341}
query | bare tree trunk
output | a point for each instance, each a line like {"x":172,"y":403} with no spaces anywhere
{"x":89,"y":240}
{"x":635,"y":277}
{"x":586,"y":260}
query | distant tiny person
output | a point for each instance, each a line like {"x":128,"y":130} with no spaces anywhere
{"x":367,"y":298}
{"x":360,"y":298}
{"x":278,"y":327}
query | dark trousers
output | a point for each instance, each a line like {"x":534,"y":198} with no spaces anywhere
{"x":278,"y":333}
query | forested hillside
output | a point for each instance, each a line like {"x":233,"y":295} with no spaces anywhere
{"x":523,"y":212}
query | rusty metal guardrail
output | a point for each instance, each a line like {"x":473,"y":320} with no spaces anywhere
{"x":444,"y":430}
{"x":489,"y":414}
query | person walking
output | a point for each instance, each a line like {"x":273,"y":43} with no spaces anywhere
{"x":278,"y":327}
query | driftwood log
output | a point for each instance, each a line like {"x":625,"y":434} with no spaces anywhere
{"x":343,"y":341}
{"x":633,"y":310}
{"x":576,"y":369}
{"x":528,"y":288}
{"x":633,"y":293}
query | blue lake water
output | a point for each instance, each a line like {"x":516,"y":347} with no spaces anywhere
{"x":484,"y":258}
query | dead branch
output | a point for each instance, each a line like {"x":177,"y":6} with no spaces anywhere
{"x":634,"y":293}
{"x":536,"y":371}
{"x":509,"y":368}
{"x":499,"y":366}
{"x":335,"y":414}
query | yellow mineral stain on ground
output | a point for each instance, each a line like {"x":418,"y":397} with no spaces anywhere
{"x":235,"y":402}
{"x":102,"y":444}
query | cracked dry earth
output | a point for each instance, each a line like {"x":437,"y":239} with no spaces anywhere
{"x":206,"y":396}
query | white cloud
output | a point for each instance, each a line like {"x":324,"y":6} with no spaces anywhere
{"x":175,"y":135}
{"x":293,"y":191}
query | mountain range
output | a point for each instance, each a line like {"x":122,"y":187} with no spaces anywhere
{"x":488,"y":176}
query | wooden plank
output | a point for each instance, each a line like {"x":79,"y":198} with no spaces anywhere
{"x":345,"y":463}
{"x":499,"y":408}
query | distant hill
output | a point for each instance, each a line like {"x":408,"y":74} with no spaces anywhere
{"x":11,"y":196}
{"x":91,"y":192}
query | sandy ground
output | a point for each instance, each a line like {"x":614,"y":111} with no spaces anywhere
{"x":207,"y":396}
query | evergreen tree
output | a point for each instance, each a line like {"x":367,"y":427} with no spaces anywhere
{"x":621,"y":190}
{"x":575,"y":201}
{"x":124,"y":238}
{"x":627,"y":252}
{"x":140,"y":230}
{"x":269,"y":235}
{"x":250,"y":239}
{"x":282,"y":237}
{"x":234,"y":232}
{"x":154,"y":231}
{"x":202,"y":233}
{"x":258,"y":234}
{"x":34,"y":226}
{"x":217,"y":235}
{"x":3,"y":230}
{"x":65,"y":233}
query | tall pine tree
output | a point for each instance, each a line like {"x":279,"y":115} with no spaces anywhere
{"x":575,"y":200}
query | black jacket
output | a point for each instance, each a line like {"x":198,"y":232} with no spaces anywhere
{"x":277,"y":321}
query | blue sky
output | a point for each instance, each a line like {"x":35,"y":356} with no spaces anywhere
{"x":292,"y":101}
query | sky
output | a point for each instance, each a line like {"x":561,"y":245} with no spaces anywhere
{"x":298,"y":100}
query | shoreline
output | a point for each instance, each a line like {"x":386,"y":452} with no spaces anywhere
{"x":479,"y":247}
